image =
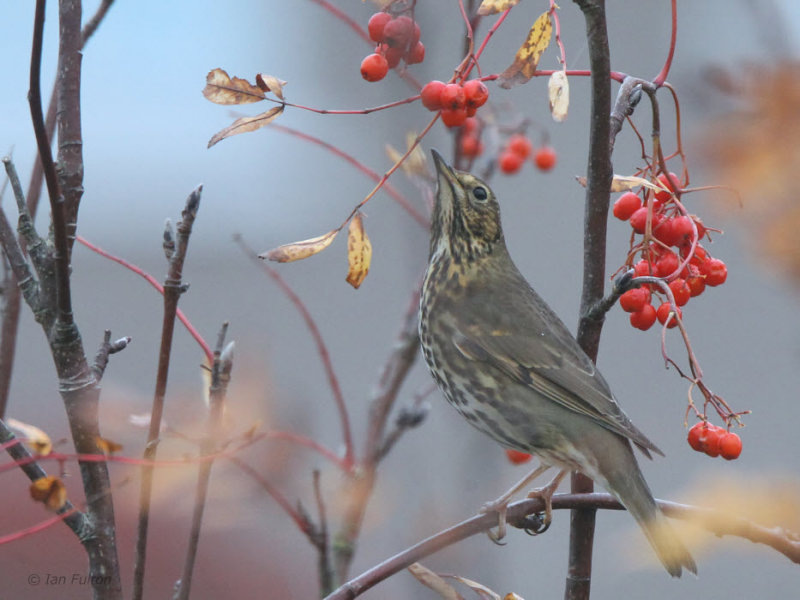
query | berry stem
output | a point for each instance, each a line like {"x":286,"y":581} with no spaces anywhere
{"x":662,"y":76}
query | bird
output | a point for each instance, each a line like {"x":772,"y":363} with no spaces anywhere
{"x":508,"y":364}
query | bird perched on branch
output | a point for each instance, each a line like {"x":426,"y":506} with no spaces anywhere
{"x":508,"y":364}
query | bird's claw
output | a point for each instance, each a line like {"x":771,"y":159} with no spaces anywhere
{"x":500,"y":508}
{"x":535,"y":524}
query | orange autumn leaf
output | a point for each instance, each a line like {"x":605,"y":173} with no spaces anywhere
{"x":359,"y":252}
{"x":491,"y":7}
{"x":107,"y":446}
{"x":300,"y":250}
{"x":528,"y":55}
{"x":37,"y":439}
{"x":50,"y":491}
{"x":222,"y":89}
{"x":246,"y":124}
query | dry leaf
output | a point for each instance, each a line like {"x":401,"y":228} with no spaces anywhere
{"x":50,"y":491}
{"x":481,"y":590}
{"x":221,"y":89}
{"x":558,"y":91}
{"x":527,"y":58}
{"x":36,"y":438}
{"x":246,"y":124}
{"x":300,"y":250}
{"x":623,"y":183}
{"x":491,"y":7}
{"x":512,"y":596}
{"x":359,"y":252}
{"x":430,"y":579}
{"x":413,"y":166}
{"x":107,"y":446}
{"x":268,"y":83}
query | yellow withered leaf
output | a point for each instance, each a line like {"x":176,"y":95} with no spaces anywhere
{"x":245,"y":124}
{"x":300,"y":250}
{"x":268,"y":83}
{"x":221,"y":89}
{"x":623,"y":183}
{"x":359,"y":252}
{"x":415,"y":164}
{"x":430,"y":579}
{"x":491,"y":7}
{"x":107,"y":446}
{"x":527,"y":58}
{"x":36,"y":438}
{"x":558,"y":92}
{"x":50,"y":491}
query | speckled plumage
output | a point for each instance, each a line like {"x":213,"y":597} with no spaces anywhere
{"x":508,"y":364}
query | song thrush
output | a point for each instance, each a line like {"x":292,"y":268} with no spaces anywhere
{"x":508,"y":364}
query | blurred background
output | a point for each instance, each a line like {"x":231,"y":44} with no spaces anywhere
{"x":146,"y":126}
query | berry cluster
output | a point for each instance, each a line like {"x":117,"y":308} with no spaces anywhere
{"x":397,"y":39}
{"x":714,"y":441}
{"x":668,"y":229}
{"x":517,"y":457}
{"x":456,"y":101}
{"x":518,"y":148}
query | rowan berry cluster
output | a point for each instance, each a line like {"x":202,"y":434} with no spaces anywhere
{"x":688,"y":267}
{"x":518,"y":148}
{"x":714,"y":441}
{"x":397,"y":39}
{"x":456,"y":101}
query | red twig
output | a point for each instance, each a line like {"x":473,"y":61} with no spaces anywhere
{"x":662,"y":76}
{"x":557,"y":24}
{"x":322,"y":348}
{"x":152,"y":281}
{"x":388,"y":188}
{"x":23,"y":533}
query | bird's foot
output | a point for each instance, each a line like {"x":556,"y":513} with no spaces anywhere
{"x":545,"y":493}
{"x":500,"y":505}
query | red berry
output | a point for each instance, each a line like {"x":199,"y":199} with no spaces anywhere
{"x":626,"y":205}
{"x":393,"y":55}
{"x":519,"y":144}
{"x":638,"y":220}
{"x":667,"y":264}
{"x":715,"y":271}
{"x":710,"y":439}
{"x":643,"y":269}
{"x":730,"y":446}
{"x":415,"y":35}
{"x":517,"y":457}
{"x":672,"y":184}
{"x":452,"y":96}
{"x":664,"y":312}
{"x":471,"y":146}
{"x":376,"y":24}
{"x":374,"y":67}
{"x":644,"y":319}
{"x":696,"y":282}
{"x":476,"y":93}
{"x":416,"y":55}
{"x":545,"y":158}
{"x":682,"y":228}
{"x":634,"y":300}
{"x":680,"y":291}
{"x":470,"y":125}
{"x":453,"y":117}
{"x":398,"y":32}
{"x":695,"y":433}
{"x":510,"y":162}
{"x":431,"y":95}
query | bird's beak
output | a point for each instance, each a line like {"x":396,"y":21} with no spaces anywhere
{"x":444,"y":172}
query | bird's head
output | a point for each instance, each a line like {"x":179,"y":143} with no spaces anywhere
{"x":466,"y":215}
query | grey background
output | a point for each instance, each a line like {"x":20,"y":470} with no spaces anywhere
{"x":146,"y":126}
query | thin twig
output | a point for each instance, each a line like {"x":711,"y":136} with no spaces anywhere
{"x":173,"y":288}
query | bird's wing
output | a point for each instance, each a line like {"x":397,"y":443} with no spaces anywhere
{"x":536,"y":349}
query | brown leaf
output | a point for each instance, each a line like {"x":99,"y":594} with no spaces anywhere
{"x":50,"y":491}
{"x":300,"y":250}
{"x":107,"y":446}
{"x":359,"y":252}
{"x":558,"y":92}
{"x":430,"y":579}
{"x":491,"y":7}
{"x":623,"y":183}
{"x":221,"y":89}
{"x":268,"y":83}
{"x":246,"y":124}
{"x":480,"y":589}
{"x":36,"y":438}
{"x":527,"y":58}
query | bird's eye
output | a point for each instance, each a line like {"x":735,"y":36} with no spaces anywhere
{"x":480,"y":193}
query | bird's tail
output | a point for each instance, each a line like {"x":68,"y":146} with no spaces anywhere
{"x":634,"y":494}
